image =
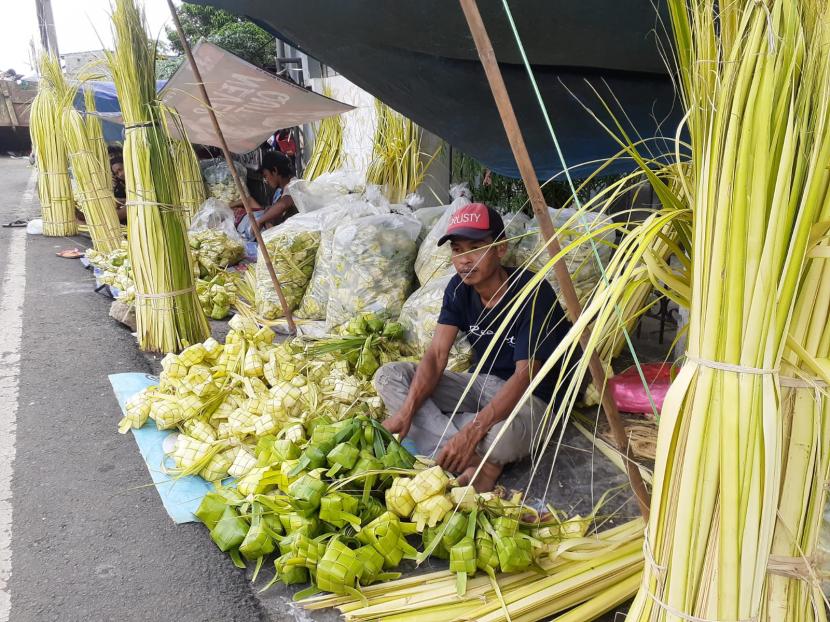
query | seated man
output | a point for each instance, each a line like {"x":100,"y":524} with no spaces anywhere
{"x":477,"y":300}
{"x":277,"y":171}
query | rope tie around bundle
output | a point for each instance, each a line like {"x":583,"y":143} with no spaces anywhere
{"x":731,"y":367}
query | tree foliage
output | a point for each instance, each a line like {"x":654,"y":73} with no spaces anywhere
{"x":234,"y":33}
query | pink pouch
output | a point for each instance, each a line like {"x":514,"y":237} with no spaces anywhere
{"x":630,"y":395}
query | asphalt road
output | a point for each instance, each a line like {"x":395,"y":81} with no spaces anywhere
{"x":89,"y":539}
{"x":83,"y":536}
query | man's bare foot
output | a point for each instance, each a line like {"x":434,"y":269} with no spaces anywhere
{"x":487,"y":477}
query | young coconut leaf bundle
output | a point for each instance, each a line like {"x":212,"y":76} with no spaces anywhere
{"x":758,"y":123}
{"x":793,"y":590}
{"x":327,"y":154}
{"x":755,"y":85}
{"x":95,"y":130}
{"x":398,"y":165}
{"x":168,"y":314}
{"x":45,"y":127}
{"x":92,"y":175}
{"x":192,"y":191}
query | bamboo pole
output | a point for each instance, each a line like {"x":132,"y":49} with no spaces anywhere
{"x":241,"y":188}
{"x":540,"y":209}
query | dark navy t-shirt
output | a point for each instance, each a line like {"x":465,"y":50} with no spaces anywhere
{"x":534,"y":331}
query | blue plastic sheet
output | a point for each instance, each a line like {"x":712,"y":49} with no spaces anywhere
{"x":180,"y":497}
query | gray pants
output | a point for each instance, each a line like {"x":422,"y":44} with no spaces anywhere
{"x":432,"y":421}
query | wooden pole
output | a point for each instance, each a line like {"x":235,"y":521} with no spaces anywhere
{"x":540,"y":210}
{"x":241,"y":188}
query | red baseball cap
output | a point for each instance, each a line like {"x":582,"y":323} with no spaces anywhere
{"x":474,"y":221}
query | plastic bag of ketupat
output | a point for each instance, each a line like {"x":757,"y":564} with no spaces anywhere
{"x":581,"y":261}
{"x":345,"y":210}
{"x":214,"y":241}
{"x":293,"y":247}
{"x":419,"y":318}
{"x":323,"y":191}
{"x":515,"y":230}
{"x":433,"y":260}
{"x":428,"y":216}
{"x":219,"y":180}
{"x":372,"y":261}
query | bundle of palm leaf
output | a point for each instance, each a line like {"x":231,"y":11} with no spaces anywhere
{"x":168,"y":314}
{"x":398,"y":164}
{"x":45,"y":127}
{"x":91,"y":170}
{"x":327,"y":154}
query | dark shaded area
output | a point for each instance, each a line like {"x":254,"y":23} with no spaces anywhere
{"x":418,"y":57}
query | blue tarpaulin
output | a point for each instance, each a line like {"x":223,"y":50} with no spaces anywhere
{"x":180,"y":497}
{"x":106,"y":101}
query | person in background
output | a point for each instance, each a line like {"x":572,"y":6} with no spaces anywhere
{"x":277,"y":171}
{"x":477,"y":301}
{"x":119,"y":186}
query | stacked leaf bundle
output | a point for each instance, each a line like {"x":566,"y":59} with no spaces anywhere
{"x":91,"y":171}
{"x":740,"y":469}
{"x":758,"y":184}
{"x":213,"y":250}
{"x":168,"y":313}
{"x":192,"y":191}
{"x":398,"y":164}
{"x":45,"y":126}
{"x":327,"y":154}
{"x":224,"y":397}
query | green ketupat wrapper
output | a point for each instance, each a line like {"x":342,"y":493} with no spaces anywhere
{"x":371,"y":566}
{"x":387,"y":535}
{"x":211,"y":508}
{"x":306,"y":494}
{"x":463,"y":554}
{"x":398,"y":499}
{"x":230,"y":530}
{"x":338,"y":570}
{"x":339,"y":509}
{"x":258,"y":541}
{"x":428,"y":537}
{"x":453,"y":529}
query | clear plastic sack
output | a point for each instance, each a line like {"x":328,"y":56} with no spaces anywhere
{"x":293,"y":247}
{"x":372,"y":259}
{"x":214,"y":241}
{"x":515,"y":229}
{"x":219,"y":180}
{"x":428,"y":216}
{"x":328,"y":188}
{"x":581,"y":261}
{"x":316,"y":297}
{"x":419,"y":318}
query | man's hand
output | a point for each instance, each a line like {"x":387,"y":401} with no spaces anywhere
{"x":399,"y":424}
{"x":460,"y":450}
